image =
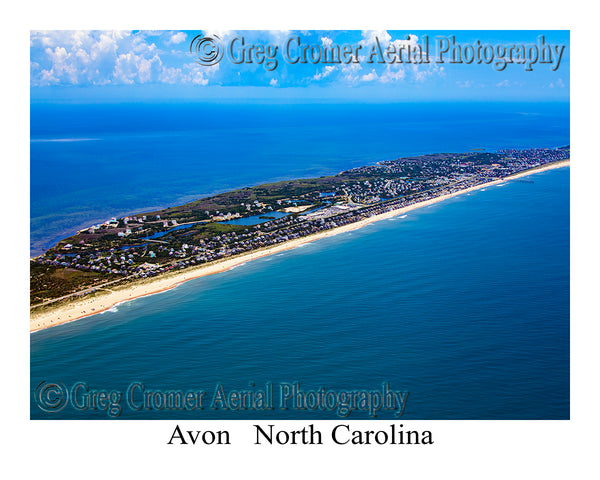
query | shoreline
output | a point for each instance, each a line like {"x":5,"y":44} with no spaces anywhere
{"x":79,"y":309}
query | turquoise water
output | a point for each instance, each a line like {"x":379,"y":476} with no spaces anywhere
{"x":464,"y":304}
{"x":256,"y":219}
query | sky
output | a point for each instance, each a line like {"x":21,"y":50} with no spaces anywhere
{"x":256,"y":65}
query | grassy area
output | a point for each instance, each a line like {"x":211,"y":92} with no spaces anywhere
{"x":49,"y":281}
{"x":267,"y":193}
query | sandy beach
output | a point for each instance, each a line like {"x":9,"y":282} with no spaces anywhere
{"x":81,"y":308}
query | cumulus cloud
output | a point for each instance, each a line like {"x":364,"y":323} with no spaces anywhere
{"x":392,"y":74}
{"x":370,"y":37}
{"x":130,"y":67}
{"x":350,"y":73}
{"x":326,"y":41}
{"x":279,"y":36}
{"x":108,"y":57}
{"x":177,"y":38}
{"x":411,"y":40}
{"x":74,"y":57}
{"x":325,"y":73}
{"x":146,"y":57}
{"x":224,"y":35}
{"x":422,"y":72}
{"x":190,"y":74}
{"x":369,"y":77}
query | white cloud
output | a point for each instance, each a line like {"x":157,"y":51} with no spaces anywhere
{"x":423,"y":71}
{"x":325,"y":73}
{"x":391,"y":75}
{"x":114,"y":57}
{"x":131,"y":68}
{"x":274,"y":82}
{"x":177,"y":38}
{"x":195,"y":75}
{"x":467,"y":84}
{"x":76,"y":57}
{"x":370,"y":37}
{"x":350,"y":72}
{"x":326,"y":41}
{"x":390,"y":72}
{"x":394,"y":72}
{"x":108,"y":57}
{"x":369,"y":77}
{"x":277,"y":37}
{"x":412,"y":41}
{"x":191,"y":73}
{"x":224,"y":35}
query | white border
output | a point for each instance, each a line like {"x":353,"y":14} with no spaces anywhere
{"x":473,"y":449}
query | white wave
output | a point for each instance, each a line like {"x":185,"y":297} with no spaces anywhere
{"x":238,"y":265}
{"x":113,"y":309}
{"x":40,"y":140}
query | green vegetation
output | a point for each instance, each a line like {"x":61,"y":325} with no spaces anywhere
{"x":159,"y":242}
{"x":49,"y":281}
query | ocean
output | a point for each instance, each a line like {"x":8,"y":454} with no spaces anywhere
{"x":92,"y":162}
{"x":463,"y":304}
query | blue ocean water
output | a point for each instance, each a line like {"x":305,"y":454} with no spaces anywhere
{"x":255,"y":219}
{"x":92,"y":162}
{"x":464,"y":304}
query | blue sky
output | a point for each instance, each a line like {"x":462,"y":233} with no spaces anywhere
{"x":117,"y":66}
